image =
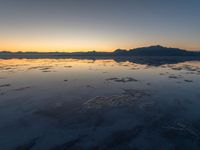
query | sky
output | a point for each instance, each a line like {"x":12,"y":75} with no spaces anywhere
{"x":101,"y":25}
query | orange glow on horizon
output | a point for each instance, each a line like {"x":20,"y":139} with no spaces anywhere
{"x":83,"y":46}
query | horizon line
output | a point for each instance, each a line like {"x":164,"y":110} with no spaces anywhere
{"x":10,"y":51}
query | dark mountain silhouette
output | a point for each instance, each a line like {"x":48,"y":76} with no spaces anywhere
{"x":143,"y":51}
{"x":156,"y":51}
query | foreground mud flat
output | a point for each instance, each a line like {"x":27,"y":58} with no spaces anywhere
{"x":58,"y":104}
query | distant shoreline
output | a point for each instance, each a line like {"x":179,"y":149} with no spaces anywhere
{"x":143,"y":51}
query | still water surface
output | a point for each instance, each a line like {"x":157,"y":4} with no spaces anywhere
{"x":57,"y":104}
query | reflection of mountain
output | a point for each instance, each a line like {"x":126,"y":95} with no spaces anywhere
{"x":157,"y":61}
{"x":153,"y":55}
{"x":161,"y":51}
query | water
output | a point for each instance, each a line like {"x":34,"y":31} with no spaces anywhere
{"x":99,"y":104}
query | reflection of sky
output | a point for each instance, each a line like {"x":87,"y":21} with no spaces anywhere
{"x":75,"y":25}
{"x":39,"y":102}
{"x":52,"y":71}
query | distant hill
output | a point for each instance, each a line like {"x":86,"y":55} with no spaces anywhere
{"x":156,"y":51}
{"x":143,"y":51}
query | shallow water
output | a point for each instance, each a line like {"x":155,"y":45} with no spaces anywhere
{"x":98,"y":104}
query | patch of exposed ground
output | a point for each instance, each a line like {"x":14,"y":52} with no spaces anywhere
{"x":175,"y":76}
{"x":186,"y":80}
{"x":5,"y":85}
{"x":22,"y":88}
{"x":68,"y":66}
{"x":124,"y":80}
{"x":128,"y":98}
{"x":42,"y":68}
{"x":189,"y":68}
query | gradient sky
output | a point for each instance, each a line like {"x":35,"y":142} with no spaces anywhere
{"x":102,"y":25}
